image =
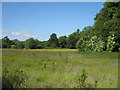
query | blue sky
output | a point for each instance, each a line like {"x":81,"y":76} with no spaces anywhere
{"x":22,"y":20}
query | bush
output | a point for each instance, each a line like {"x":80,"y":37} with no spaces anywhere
{"x":96,"y":44}
{"x":92,"y":44}
{"x":13,"y":46}
{"x":111,"y":42}
{"x":13,"y":79}
{"x":81,"y":45}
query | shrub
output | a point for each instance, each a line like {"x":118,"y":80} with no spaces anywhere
{"x":13,"y":79}
{"x":13,"y":46}
{"x":111,"y":42}
{"x":96,"y":44}
{"x":93,"y":44}
{"x":81,"y":45}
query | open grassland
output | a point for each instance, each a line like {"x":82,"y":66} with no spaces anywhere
{"x":58,"y":69}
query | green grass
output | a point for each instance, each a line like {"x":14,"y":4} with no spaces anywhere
{"x":43,"y":69}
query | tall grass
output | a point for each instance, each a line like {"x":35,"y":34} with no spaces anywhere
{"x":58,"y":69}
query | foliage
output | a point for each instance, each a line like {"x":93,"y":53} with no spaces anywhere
{"x":82,"y":81}
{"x":6,"y":42}
{"x":53,"y":41}
{"x":94,"y":44}
{"x":81,"y":45}
{"x":40,"y":45}
{"x":13,"y":46}
{"x":13,"y":79}
{"x":31,"y":43}
{"x":108,"y":20}
{"x":78,"y":31}
{"x":98,"y":38}
{"x":62,"y":41}
{"x":71,"y":40}
{"x":20,"y":45}
{"x":111,"y":42}
{"x":0,"y":43}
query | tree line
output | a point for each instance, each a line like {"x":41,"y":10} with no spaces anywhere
{"x":53,"y":42}
{"x":102,"y":36}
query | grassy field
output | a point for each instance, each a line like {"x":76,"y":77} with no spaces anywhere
{"x":58,"y":68}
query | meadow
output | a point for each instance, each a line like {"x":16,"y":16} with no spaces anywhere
{"x":59,"y":68}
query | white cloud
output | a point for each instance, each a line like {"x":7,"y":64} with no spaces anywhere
{"x":3,"y":33}
{"x":15,"y":33}
{"x":21,"y":33}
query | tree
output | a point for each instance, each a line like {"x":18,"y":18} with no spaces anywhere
{"x":86,"y":33}
{"x":18,"y":44}
{"x":108,"y":20}
{"x":45,"y":44}
{"x":72,"y":40}
{"x":81,"y":45}
{"x":15,"y":41}
{"x":30,"y":43}
{"x":0,"y":43}
{"x":53,"y":41}
{"x":13,"y":46}
{"x":39,"y":44}
{"x":6,"y":42}
{"x":78,"y":31}
{"x":62,"y":41}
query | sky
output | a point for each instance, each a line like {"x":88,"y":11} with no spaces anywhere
{"x":22,"y":20}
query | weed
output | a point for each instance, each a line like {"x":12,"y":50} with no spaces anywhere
{"x":83,"y":83}
{"x":13,"y":79}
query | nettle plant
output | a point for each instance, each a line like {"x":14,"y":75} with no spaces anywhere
{"x":111,"y":42}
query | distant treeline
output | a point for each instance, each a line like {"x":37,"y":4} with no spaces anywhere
{"x":104,"y":35}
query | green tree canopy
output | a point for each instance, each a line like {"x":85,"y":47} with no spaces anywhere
{"x":62,"y":41}
{"x":30,"y":43}
{"x":6,"y":42}
{"x":53,"y":41}
{"x":18,"y":44}
{"x":72,"y":40}
{"x":107,"y":20}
